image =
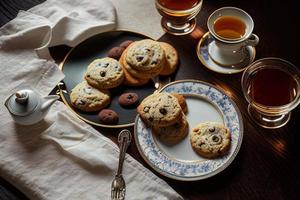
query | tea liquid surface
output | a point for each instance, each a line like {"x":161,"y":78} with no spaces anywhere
{"x":178,"y":4}
{"x":230,"y":27}
{"x":272,"y":87}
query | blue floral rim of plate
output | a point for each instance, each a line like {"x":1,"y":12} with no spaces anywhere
{"x":189,"y":171}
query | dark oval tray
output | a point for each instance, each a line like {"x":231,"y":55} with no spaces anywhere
{"x":75,"y":64}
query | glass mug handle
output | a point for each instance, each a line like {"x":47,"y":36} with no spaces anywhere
{"x":252,"y":40}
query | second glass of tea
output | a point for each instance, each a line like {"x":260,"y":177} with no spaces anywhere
{"x":272,"y":88}
{"x":178,"y":16}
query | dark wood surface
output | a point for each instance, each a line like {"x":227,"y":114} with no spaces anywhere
{"x":268,"y":164}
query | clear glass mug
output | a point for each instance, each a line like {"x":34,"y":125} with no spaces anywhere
{"x":178,"y":16}
{"x":273,"y":115}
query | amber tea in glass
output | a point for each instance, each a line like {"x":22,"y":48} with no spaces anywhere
{"x":272,"y":88}
{"x":178,"y":16}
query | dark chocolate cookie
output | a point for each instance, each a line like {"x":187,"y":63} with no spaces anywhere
{"x":107,"y":116}
{"x":115,"y":52}
{"x":128,"y":99}
{"x":126,"y":43}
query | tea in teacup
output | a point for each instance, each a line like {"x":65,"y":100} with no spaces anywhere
{"x":231,"y":31}
{"x":229,"y":27}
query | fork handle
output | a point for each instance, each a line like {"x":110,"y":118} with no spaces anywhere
{"x":124,"y":140}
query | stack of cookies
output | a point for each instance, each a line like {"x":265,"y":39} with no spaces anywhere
{"x":92,"y":94}
{"x":145,"y":59}
{"x":163,"y":113}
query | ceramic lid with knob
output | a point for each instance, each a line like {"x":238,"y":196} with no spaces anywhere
{"x":22,"y":103}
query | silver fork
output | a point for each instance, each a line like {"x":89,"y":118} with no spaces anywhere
{"x":118,"y":186}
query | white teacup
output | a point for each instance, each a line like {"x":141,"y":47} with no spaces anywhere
{"x":229,"y":50}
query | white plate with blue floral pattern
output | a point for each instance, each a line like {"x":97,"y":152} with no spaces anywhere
{"x":205,"y":103}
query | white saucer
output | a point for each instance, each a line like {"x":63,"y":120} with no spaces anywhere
{"x":207,"y":61}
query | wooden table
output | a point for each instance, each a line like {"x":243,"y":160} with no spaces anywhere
{"x":268,"y":164}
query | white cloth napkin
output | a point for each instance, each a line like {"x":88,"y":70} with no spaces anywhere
{"x":140,"y":16}
{"x":60,"y":157}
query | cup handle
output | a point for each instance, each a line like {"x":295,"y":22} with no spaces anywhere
{"x":253,"y":40}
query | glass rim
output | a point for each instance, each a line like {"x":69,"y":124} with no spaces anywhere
{"x":179,"y":11}
{"x":286,"y":107}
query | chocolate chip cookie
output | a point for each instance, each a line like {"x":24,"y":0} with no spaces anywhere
{"x":145,"y":55}
{"x":139,"y":74}
{"x":160,"y":110}
{"x":174,"y":133}
{"x":88,"y":99}
{"x":181,"y":101}
{"x":105,"y":73}
{"x":131,"y":80}
{"x":210,"y":139}
{"x":171,"y":59}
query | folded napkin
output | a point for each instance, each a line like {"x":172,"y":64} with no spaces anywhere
{"x":140,"y":16}
{"x":60,"y":157}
